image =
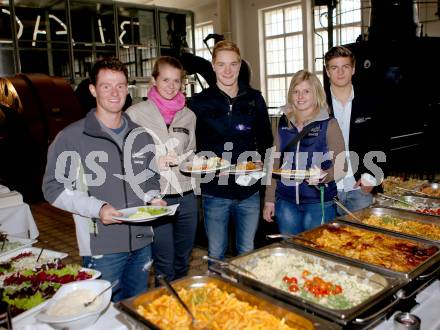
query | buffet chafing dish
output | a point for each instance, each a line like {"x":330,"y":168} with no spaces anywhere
{"x":420,"y":248}
{"x":383,"y":212}
{"x":430,"y":189}
{"x":293,"y":317}
{"x":424,"y":202}
{"x":383,"y":285}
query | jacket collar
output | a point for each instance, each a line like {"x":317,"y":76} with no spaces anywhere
{"x":92,"y":126}
{"x":242,"y":89}
{"x":322,"y":115}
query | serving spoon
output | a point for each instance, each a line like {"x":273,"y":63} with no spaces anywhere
{"x":414,"y":191}
{"x":342,"y":206}
{"x":88,"y":303}
{"x":229,"y":264}
{"x":174,"y":293}
{"x":413,"y":205}
{"x":299,"y":238}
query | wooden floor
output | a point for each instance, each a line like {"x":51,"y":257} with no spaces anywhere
{"x":57,"y":232}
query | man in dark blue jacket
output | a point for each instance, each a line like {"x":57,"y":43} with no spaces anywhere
{"x":232,"y":122}
{"x":361,"y":120}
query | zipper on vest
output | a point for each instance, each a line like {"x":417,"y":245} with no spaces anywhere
{"x":230,"y":112}
{"x":296,"y":167}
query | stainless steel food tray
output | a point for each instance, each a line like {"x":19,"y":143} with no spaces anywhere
{"x":386,"y":285}
{"x":294,"y":317}
{"x":433,"y":260}
{"x":433,"y":185}
{"x":428,"y":202}
{"x":381,"y":211}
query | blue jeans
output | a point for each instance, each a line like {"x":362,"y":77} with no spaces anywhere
{"x":174,"y":238}
{"x":245,"y":214}
{"x":293,"y":219}
{"x":130,"y":268}
{"x":354,"y":200}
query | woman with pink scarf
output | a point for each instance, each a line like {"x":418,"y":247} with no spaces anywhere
{"x":172,"y":126}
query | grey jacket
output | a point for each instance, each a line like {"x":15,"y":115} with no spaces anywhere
{"x":86,"y":169}
{"x":178,"y":138}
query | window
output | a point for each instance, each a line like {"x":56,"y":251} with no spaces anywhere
{"x":285,"y":39}
{"x":347,"y":28}
{"x":201,"y":32}
{"x":283,"y":51}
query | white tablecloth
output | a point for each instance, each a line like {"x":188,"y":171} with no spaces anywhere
{"x":427,"y":309}
{"x":18,"y":221}
{"x":112,"y":319}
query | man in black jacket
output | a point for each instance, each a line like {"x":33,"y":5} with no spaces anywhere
{"x":232,"y":122}
{"x":360,"y":120}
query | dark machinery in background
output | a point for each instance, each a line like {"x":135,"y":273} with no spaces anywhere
{"x":196,"y":65}
{"x":393,"y":62}
{"x":193,"y":64}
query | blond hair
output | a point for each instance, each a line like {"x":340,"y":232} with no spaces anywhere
{"x":317,"y":89}
{"x":9,"y":96}
{"x":225,"y":45}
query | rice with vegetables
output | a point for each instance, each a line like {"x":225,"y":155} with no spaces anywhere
{"x":309,"y":278}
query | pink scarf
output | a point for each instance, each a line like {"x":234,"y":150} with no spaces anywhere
{"x":167,"y":108}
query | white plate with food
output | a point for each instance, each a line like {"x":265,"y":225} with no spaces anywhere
{"x":245,"y":168}
{"x":35,"y":285}
{"x":292,"y":174}
{"x":19,"y":320}
{"x":32,"y":254}
{"x":145,"y":213}
{"x":204,"y":165}
{"x":9,"y":244}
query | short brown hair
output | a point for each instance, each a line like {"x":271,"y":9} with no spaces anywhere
{"x":225,"y":45}
{"x":167,"y":60}
{"x":110,"y":63}
{"x":339,"y":51}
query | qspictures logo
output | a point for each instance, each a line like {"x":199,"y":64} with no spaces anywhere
{"x":140,"y":163}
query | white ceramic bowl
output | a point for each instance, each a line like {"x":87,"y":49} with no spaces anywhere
{"x":80,"y":320}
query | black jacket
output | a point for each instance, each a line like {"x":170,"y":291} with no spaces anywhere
{"x":242,"y":120}
{"x":367,"y":131}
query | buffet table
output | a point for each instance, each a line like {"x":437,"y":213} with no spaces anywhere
{"x":427,"y":310}
{"x":18,"y":221}
{"x":409,"y":282}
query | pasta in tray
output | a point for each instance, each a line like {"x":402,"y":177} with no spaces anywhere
{"x":428,"y":230}
{"x":213,"y":308}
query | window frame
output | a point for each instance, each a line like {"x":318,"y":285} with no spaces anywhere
{"x":274,"y":109}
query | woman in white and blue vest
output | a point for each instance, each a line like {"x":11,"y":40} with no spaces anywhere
{"x":307,"y":139}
